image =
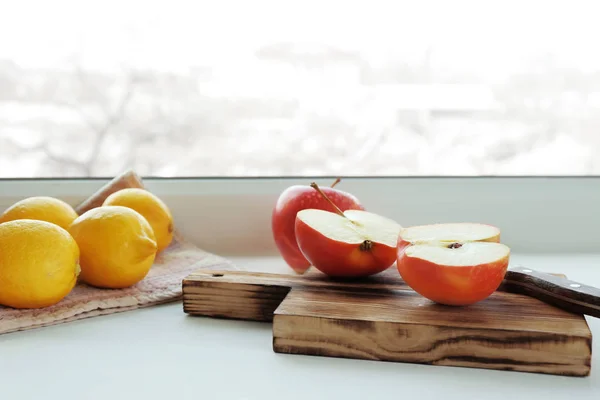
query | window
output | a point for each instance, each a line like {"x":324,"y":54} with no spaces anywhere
{"x":261,"y":88}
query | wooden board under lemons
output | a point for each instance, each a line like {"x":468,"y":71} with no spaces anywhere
{"x":161,"y":285}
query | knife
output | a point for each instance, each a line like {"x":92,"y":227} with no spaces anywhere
{"x":553,"y":289}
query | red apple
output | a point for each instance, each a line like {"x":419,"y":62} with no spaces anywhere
{"x":294,"y":199}
{"x":351,"y":244}
{"x":453,"y":264}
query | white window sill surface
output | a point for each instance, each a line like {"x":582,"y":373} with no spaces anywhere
{"x":162,"y":353}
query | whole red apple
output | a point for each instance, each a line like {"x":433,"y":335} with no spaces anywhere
{"x":296,"y":198}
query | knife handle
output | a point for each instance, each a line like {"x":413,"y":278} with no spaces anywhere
{"x":562,"y":292}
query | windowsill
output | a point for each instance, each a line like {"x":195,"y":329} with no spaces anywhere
{"x":160,"y":352}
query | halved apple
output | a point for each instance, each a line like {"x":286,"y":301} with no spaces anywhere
{"x":351,"y":244}
{"x":299,"y":197}
{"x":453,"y":264}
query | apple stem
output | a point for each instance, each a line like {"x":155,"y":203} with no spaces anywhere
{"x":455,"y":246}
{"x":336,"y":208}
{"x":366,"y":245}
{"x":337,"y":180}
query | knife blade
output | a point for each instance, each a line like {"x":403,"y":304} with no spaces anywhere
{"x":553,"y":289}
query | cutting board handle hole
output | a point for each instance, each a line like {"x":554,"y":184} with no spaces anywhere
{"x":217,"y":275}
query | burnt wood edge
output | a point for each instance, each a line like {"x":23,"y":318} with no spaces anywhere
{"x":275,"y":295}
{"x":478,"y":334}
{"x":457,"y":362}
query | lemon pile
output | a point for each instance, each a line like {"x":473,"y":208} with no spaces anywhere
{"x":46,"y":247}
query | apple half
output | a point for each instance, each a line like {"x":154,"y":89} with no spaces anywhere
{"x":453,"y":264}
{"x":351,"y":244}
{"x":294,"y":199}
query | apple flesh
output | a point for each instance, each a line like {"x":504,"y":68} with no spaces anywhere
{"x":355,"y":244}
{"x":297,"y":198}
{"x":448,"y":233}
{"x":452,"y":264}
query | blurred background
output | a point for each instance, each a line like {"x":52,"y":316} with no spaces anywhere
{"x":263,"y":88}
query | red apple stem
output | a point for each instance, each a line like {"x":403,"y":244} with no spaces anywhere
{"x":367,"y":244}
{"x":336,"y":208}
{"x":337,"y":180}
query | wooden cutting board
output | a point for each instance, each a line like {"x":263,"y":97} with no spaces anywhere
{"x":381,"y":318}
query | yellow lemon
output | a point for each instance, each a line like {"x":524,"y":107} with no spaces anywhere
{"x":38,"y":263}
{"x":151,"y":207}
{"x":41,"y":208}
{"x":117,"y":246}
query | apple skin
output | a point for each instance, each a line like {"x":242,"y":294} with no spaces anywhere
{"x":450,"y":285}
{"x":283,"y":219}
{"x":340,"y":259}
